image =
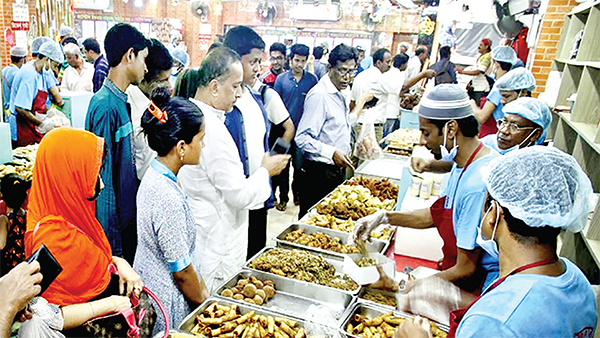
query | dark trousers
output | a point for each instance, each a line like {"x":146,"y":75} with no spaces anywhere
{"x":282,"y":181}
{"x":318,"y":180}
{"x":257,"y":231}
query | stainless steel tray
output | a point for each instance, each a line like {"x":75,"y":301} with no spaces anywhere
{"x":371,"y":311}
{"x":190,"y":321}
{"x":386,"y":293}
{"x":293,"y":298}
{"x":338,"y":265}
{"x":376,"y":245}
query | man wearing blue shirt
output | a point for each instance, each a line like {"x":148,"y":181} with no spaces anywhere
{"x":449,"y":130}
{"x":324,"y":130}
{"x":91,"y":50}
{"x":292,"y":86}
{"x":18,"y":55}
{"x":108,"y":116}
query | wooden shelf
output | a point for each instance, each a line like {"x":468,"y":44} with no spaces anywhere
{"x":574,"y":23}
{"x":586,"y":131}
{"x":588,"y":49}
{"x":569,"y":84}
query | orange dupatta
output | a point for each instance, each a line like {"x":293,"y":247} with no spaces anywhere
{"x":62,"y":217}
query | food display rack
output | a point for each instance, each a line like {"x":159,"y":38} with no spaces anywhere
{"x":292,"y":297}
{"x":376,"y":245}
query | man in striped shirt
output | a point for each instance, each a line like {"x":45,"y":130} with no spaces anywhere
{"x":91,"y":50}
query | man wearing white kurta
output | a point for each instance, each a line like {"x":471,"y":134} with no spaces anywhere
{"x":219,"y":192}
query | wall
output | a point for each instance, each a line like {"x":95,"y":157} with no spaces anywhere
{"x":197,"y":48}
{"x":6,"y":16}
{"x":545,"y":50}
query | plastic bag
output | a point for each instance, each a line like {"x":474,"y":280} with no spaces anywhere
{"x":321,"y":323}
{"x":430,"y":297}
{"x":47,"y":320}
{"x":366,"y":147}
{"x":54,"y":118}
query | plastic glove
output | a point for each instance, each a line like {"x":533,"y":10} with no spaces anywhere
{"x":415,"y":328}
{"x":364,"y":226}
{"x":431,"y":297}
{"x":46,"y":126}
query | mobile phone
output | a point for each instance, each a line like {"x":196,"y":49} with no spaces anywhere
{"x":371,"y":103}
{"x":49,"y":266}
{"x":280,"y":147}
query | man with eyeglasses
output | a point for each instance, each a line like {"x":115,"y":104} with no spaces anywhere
{"x":324,"y":129}
{"x":366,"y":81}
{"x":277,"y":59}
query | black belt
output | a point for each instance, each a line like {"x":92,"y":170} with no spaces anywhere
{"x":375,"y":124}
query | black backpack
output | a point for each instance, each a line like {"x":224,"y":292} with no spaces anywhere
{"x":443,"y":76}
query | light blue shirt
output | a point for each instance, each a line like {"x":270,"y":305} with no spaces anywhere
{"x":324,"y":126}
{"x":8,"y":75}
{"x":495,"y":97}
{"x":26,"y":84}
{"x":530,"y":305}
{"x":469,"y":195}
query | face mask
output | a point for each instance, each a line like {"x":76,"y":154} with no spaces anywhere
{"x":448,"y":156}
{"x":489,"y":245}
{"x":174,"y":71}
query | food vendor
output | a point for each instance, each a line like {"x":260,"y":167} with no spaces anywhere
{"x":18,"y":56}
{"x":532,"y":194}
{"x":503,"y":59}
{"x":29,"y":94}
{"x":449,"y":128}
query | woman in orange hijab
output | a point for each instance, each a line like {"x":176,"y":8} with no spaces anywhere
{"x":62,"y":216}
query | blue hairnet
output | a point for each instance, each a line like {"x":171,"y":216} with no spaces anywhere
{"x":532,"y":109}
{"x":182,"y":56}
{"x":38,"y":42}
{"x":542,"y":186}
{"x":64,"y":31}
{"x":504,"y":54}
{"x":516,"y":79}
{"x":52,"y":51}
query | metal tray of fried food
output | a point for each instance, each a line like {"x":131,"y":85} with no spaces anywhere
{"x":366,"y":290}
{"x":337,"y":264}
{"x":339,"y":233}
{"x":368,"y":311}
{"x":376,"y":245}
{"x":190,"y":321}
{"x":292,"y":297}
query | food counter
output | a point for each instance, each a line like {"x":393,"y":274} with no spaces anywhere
{"x":301,"y":283}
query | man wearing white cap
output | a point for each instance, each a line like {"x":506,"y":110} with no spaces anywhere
{"x":449,"y":130}
{"x":28,"y":96}
{"x":18,"y":55}
{"x":532,"y":194}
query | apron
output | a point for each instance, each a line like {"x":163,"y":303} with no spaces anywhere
{"x":442,"y":220}
{"x":457,"y":315}
{"x":26,"y":132}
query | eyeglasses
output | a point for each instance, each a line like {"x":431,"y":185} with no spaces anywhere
{"x":510,"y":126}
{"x":351,"y":72}
{"x":279,"y":58}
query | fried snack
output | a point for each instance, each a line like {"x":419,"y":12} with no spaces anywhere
{"x":321,"y":241}
{"x":380,"y":298}
{"x":328,"y":221}
{"x":22,"y":164}
{"x":381,"y":188}
{"x":249,"y":325}
{"x":352,"y":202}
{"x":382,"y":326}
{"x":404,"y":138}
{"x":302,"y":265}
{"x":251,"y":290}
{"x":412,"y":99}
{"x":365,"y":262}
{"x":384,"y":234}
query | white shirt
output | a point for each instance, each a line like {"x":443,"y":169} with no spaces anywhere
{"x":413,"y":68}
{"x":143,"y":153}
{"x":277,"y":113}
{"x":220,"y":195}
{"x":74,"y":81}
{"x":254,"y":129}
{"x":388,"y":93}
{"x":366,"y":81}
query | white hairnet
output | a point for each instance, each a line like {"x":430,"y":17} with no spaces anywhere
{"x":182,"y":56}
{"x":64,"y":31}
{"x":52,"y":51}
{"x":504,"y":54}
{"x":542,"y":186}
{"x":532,"y":109}
{"x":18,"y":51}
{"x":516,"y":79}
{"x":38,"y":42}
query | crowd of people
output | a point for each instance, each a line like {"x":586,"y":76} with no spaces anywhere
{"x":169,"y":184}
